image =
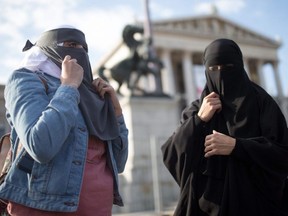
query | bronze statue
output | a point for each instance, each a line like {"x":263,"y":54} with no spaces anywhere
{"x":138,"y":61}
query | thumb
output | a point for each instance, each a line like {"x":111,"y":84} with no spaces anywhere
{"x":67,"y":58}
{"x":216,"y":132}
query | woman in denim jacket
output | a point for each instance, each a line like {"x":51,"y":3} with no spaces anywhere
{"x":71,"y":129}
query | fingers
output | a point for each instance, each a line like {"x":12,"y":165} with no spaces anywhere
{"x":71,"y":73}
{"x":98,"y":82}
{"x":218,"y":144}
{"x":102,"y":86}
{"x":209,"y":106}
{"x":68,"y":58}
{"x":213,"y":99}
{"x":210,"y":146}
{"x":212,"y":95}
{"x":210,"y":153}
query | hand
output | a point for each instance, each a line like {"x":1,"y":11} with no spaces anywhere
{"x":218,"y":144}
{"x":210,"y":105}
{"x":102,"y":87}
{"x":72,"y":73}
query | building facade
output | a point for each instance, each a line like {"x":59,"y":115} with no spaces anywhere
{"x":180,"y":45}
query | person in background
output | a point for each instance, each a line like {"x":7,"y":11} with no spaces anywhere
{"x":229,"y":154}
{"x":71,"y":129}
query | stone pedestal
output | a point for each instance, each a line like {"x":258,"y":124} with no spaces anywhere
{"x":146,"y":184}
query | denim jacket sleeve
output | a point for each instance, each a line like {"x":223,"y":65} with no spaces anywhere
{"x":42,"y":123}
{"x":120,"y":145}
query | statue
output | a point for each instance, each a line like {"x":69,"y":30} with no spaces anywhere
{"x":139,"y":62}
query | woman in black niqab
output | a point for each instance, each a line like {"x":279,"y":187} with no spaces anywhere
{"x":240,"y":111}
{"x":251,"y":179}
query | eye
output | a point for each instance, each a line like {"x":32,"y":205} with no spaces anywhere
{"x":71,"y":44}
{"x":220,"y":67}
{"x":214,"y":68}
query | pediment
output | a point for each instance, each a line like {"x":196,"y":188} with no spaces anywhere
{"x":212,"y":26}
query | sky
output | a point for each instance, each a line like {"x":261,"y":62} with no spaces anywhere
{"x":103,"y":22}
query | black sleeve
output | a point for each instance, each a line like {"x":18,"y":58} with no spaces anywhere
{"x":266,"y":156}
{"x":270,"y":150}
{"x":183,"y":149}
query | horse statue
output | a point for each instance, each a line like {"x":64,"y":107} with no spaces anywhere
{"x":142,"y":65}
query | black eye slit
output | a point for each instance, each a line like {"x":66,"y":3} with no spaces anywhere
{"x":220,"y":67}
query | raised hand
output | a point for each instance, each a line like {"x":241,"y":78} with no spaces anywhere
{"x":102,"y":87}
{"x":209,"y":106}
{"x":72,"y":73}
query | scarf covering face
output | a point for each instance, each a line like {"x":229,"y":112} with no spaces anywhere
{"x":98,"y":113}
{"x":239,"y":115}
{"x":232,"y":85}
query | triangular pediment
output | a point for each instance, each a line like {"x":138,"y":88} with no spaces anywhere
{"x":213,"y":26}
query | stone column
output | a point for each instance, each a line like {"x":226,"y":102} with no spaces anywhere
{"x":168,"y":79}
{"x":189,"y":77}
{"x":260,"y":73}
{"x":277,"y":80}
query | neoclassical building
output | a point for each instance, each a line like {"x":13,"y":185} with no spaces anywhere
{"x":179,"y":43}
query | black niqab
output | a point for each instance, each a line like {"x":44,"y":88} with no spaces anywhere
{"x":240,"y":110}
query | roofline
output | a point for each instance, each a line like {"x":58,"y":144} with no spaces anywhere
{"x":217,"y":16}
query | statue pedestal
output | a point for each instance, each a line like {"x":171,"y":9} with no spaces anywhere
{"x":146,"y":185}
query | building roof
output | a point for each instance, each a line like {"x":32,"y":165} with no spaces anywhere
{"x":195,"y":33}
{"x":211,"y":27}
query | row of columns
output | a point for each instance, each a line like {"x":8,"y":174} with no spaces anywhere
{"x":190,"y":85}
{"x":261,"y":76}
{"x":168,"y":76}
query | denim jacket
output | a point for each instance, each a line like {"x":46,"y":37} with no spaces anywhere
{"x":51,"y":129}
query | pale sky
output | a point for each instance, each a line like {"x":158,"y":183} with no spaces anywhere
{"x":103,"y":21}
